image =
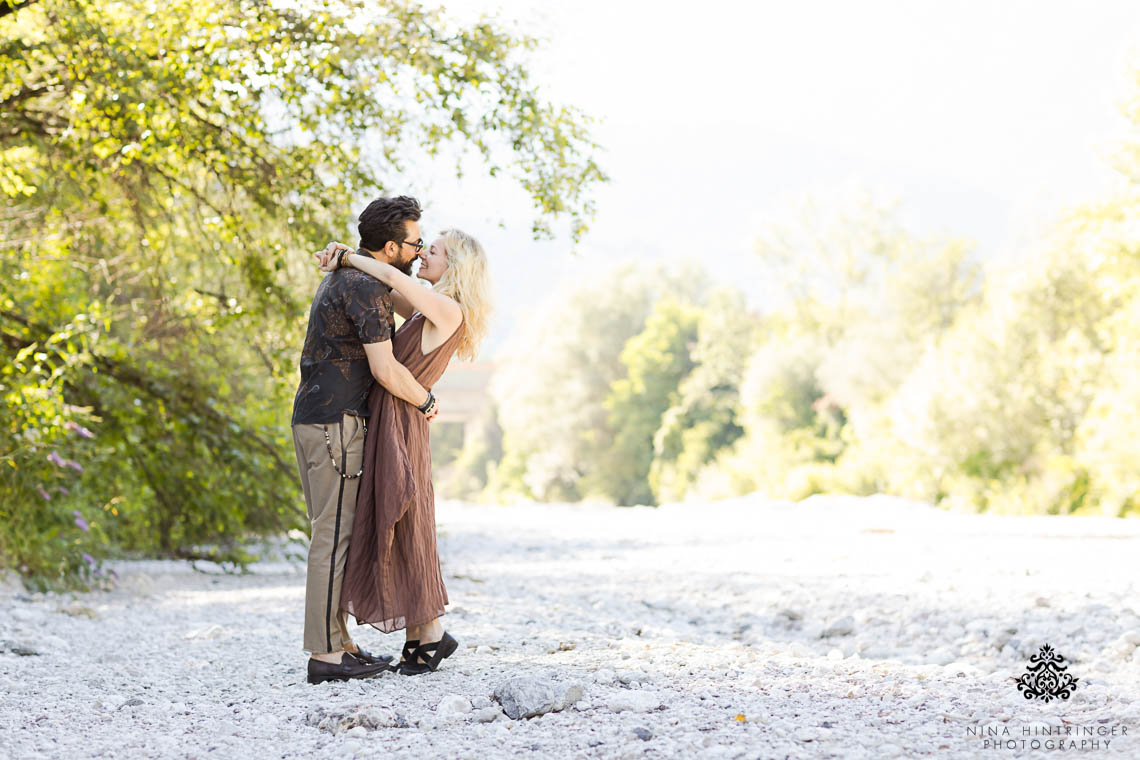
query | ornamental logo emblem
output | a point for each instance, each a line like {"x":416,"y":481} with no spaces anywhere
{"x":1045,"y":678}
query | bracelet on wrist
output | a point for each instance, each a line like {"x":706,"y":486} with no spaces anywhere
{"x":427,"y":405}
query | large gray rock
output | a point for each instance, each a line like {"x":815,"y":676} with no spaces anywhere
{"x":525,"y":697}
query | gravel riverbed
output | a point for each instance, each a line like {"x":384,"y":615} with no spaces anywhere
{"x":836,"y":627}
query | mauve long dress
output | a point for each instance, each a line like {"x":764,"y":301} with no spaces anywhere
{"x":392,"y":578}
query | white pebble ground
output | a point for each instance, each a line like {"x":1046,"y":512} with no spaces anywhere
{"x":837,"y":627}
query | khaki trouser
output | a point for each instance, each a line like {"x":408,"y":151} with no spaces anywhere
{"x":331,"y":502}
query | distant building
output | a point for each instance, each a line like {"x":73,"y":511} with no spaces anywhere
{"x":464,"y":392}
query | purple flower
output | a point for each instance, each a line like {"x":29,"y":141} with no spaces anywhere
{"x":74,"y":465}
{"x":79,"y":429}
{"x":45,"y":494}
{"x":62,"y":490}
{"x":80,"y":522}
{"x":89,"y":559}
{"x":56,"y":459}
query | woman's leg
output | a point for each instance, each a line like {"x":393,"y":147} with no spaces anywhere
{"x":425,"y":633}
{"x":430,"y":631}
{"x":411,"y":633}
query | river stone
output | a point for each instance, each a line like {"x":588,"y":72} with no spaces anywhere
{"x":525,"y":697}
{"x":841,"y":627}
{"x":569,"y":696}
{"x":487,"y":714}
{"x":634,"y":701}
{"x":19,"y":648}
{"x":453,"y":704}
{"x":343,"y":719}
{"x":208,"y":633}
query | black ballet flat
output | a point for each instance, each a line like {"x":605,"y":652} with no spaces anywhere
{"x":406,"y":655}
{"x":427,"y":663}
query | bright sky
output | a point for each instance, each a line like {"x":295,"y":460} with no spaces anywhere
{"x":982,"y":118}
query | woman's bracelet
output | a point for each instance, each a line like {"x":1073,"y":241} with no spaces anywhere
{"x":427,"y":406}
{"x":340,"y":257}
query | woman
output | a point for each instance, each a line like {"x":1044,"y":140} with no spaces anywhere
{"x":392,"y":576}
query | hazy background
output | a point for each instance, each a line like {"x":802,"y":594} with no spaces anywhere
{"x":980,"y":118}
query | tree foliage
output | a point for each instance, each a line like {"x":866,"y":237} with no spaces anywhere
{"x":164,"y":174}
{"x":655,"y":361}
{"x":704,"y":417}
{"x":554,"y":387}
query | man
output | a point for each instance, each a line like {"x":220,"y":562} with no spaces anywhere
{"x":348,"y":345}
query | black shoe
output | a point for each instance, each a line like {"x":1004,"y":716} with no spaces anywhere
{"x":420,"y":661}
{"x":371,"y":659}
{"x":348,"y":667}
{"x":407,"y":655}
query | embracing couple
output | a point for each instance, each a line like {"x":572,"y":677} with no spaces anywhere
{"x":360,"y":430}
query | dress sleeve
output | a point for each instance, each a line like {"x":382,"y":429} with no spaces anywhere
{"x":369,"y":308}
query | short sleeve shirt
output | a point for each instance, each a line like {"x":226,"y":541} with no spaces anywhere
{"x":349,"y":310}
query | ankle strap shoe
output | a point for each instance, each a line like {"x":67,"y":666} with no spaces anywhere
{"x":426,"y":657}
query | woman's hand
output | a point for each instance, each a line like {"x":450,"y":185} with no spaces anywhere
{"x":327,"y":258}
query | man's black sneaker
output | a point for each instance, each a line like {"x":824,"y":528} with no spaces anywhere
{"x":348,"y":667}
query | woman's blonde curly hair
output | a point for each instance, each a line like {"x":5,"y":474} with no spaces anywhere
{"x":468,"y":281}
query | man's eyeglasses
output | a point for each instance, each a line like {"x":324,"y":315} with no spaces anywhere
{"x":418,"y":245}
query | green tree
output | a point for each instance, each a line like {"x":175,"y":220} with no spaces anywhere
{"x":551,"y":384}
{"x":551,"y":387}
{"x":655,"y":362}
{"x":1022,"y":407}
{"x":705,"y":417}
{"x":164,"y":176}
{"x":863,"y":298}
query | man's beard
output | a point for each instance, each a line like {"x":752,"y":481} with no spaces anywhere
{"x":406,"y":267}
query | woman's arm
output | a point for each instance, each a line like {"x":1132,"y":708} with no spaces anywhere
{"x":401,"y":305}
{"x":437,"y":308}
{"x":407,"y":294}
{"x":327,"y":259}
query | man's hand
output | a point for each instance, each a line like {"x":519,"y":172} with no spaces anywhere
{"x":327,"y":258}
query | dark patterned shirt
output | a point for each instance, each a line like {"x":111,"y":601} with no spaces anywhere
{"x":349,"y":310}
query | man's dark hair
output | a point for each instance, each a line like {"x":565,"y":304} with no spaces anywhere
{"x":384,"y":219}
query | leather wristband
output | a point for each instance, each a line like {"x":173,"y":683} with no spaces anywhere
{"x":426,"y":406}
